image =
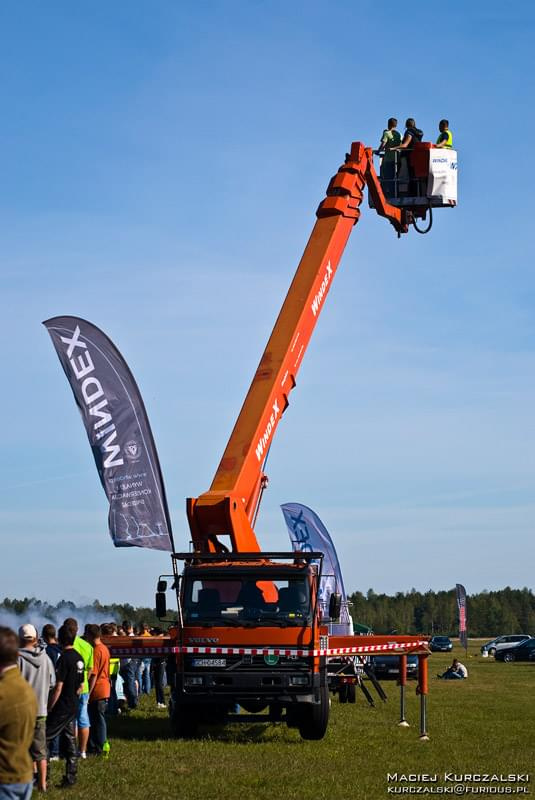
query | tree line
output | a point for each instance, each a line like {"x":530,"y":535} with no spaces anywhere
{"x":489,"y":613}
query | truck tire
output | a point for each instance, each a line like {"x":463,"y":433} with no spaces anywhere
{"x":343,"y":693}
{"x":351,"y":693}
{"x":183,"y":723}
{"x":315,"y":717}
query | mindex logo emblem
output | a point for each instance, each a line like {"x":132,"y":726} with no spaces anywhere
{"x":132,"y":451}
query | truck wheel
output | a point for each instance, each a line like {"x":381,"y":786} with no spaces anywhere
{"x":315,"y":717}
{"x":351,"y":693}
{"x":343,"y":693}
{"x":183,"y":725}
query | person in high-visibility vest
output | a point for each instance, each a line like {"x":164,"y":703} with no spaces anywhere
{"x":114,"y":671}
{"x":445,"y":138}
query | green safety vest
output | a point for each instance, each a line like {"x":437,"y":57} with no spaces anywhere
{"x":449,"y":141}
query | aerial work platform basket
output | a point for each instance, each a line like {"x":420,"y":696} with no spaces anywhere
{"x":423,"y":177}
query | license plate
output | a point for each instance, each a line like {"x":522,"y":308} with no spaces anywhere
{"x":393,"y":671}
{"x":209,"y":662}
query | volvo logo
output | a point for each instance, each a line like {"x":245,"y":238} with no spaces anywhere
{"x":202,"y":640}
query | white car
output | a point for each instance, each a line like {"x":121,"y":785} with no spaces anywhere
{"x":501,"y":642}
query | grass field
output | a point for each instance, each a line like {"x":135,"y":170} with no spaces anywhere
{"x":483,"y":724}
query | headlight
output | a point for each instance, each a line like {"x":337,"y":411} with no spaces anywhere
{"x":299,"y":680}
{"x":193,"y":680}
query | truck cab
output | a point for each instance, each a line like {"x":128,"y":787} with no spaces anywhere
{"x":248,"y":634}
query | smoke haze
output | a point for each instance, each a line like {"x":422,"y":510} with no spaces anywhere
{"x":39,"y":614}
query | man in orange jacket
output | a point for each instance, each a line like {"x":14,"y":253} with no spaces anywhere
{"x":99,"y":691}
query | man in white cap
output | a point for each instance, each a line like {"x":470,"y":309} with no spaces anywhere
{"x":37,"y":668}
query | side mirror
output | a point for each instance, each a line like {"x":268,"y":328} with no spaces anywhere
{"x":162,"y":586}
{"x":335,"y":606}
{"x":161,"y":605}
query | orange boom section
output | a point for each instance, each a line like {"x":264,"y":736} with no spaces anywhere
{"x":229,"y":507}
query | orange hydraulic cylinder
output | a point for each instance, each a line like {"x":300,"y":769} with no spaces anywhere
{"x":423,"y":690}
{"x":402,"y":684}
{"x":403,"y":670}
{"x":423,"y":678}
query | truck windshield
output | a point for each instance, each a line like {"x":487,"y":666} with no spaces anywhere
{"x":240,"y":601}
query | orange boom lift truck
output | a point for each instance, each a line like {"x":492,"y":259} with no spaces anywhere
{"x":249,"y":631}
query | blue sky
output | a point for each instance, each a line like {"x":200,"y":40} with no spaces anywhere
{"x":161,"y":165}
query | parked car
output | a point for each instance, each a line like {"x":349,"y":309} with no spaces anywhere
{"x":503,"y":642}
{"x":387,"y":666}
{"x":441,"y":644}
{"x":523,"y":651}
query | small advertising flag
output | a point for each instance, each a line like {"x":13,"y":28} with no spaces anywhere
{"x":461,"y":605}
{"x":119,"y":433}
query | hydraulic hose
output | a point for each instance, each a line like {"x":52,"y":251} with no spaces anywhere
{"x":430,"y":224}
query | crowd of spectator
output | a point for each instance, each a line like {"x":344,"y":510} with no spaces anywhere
{"x":56,"y":692}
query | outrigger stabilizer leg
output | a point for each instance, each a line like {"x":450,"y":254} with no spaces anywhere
{"x":365,"y":692}
{"x":402,"y":684}
{"x":423,"y":690}
{"x":376,"y":685}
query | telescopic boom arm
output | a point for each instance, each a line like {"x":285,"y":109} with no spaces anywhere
{"x":229,"y":507}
